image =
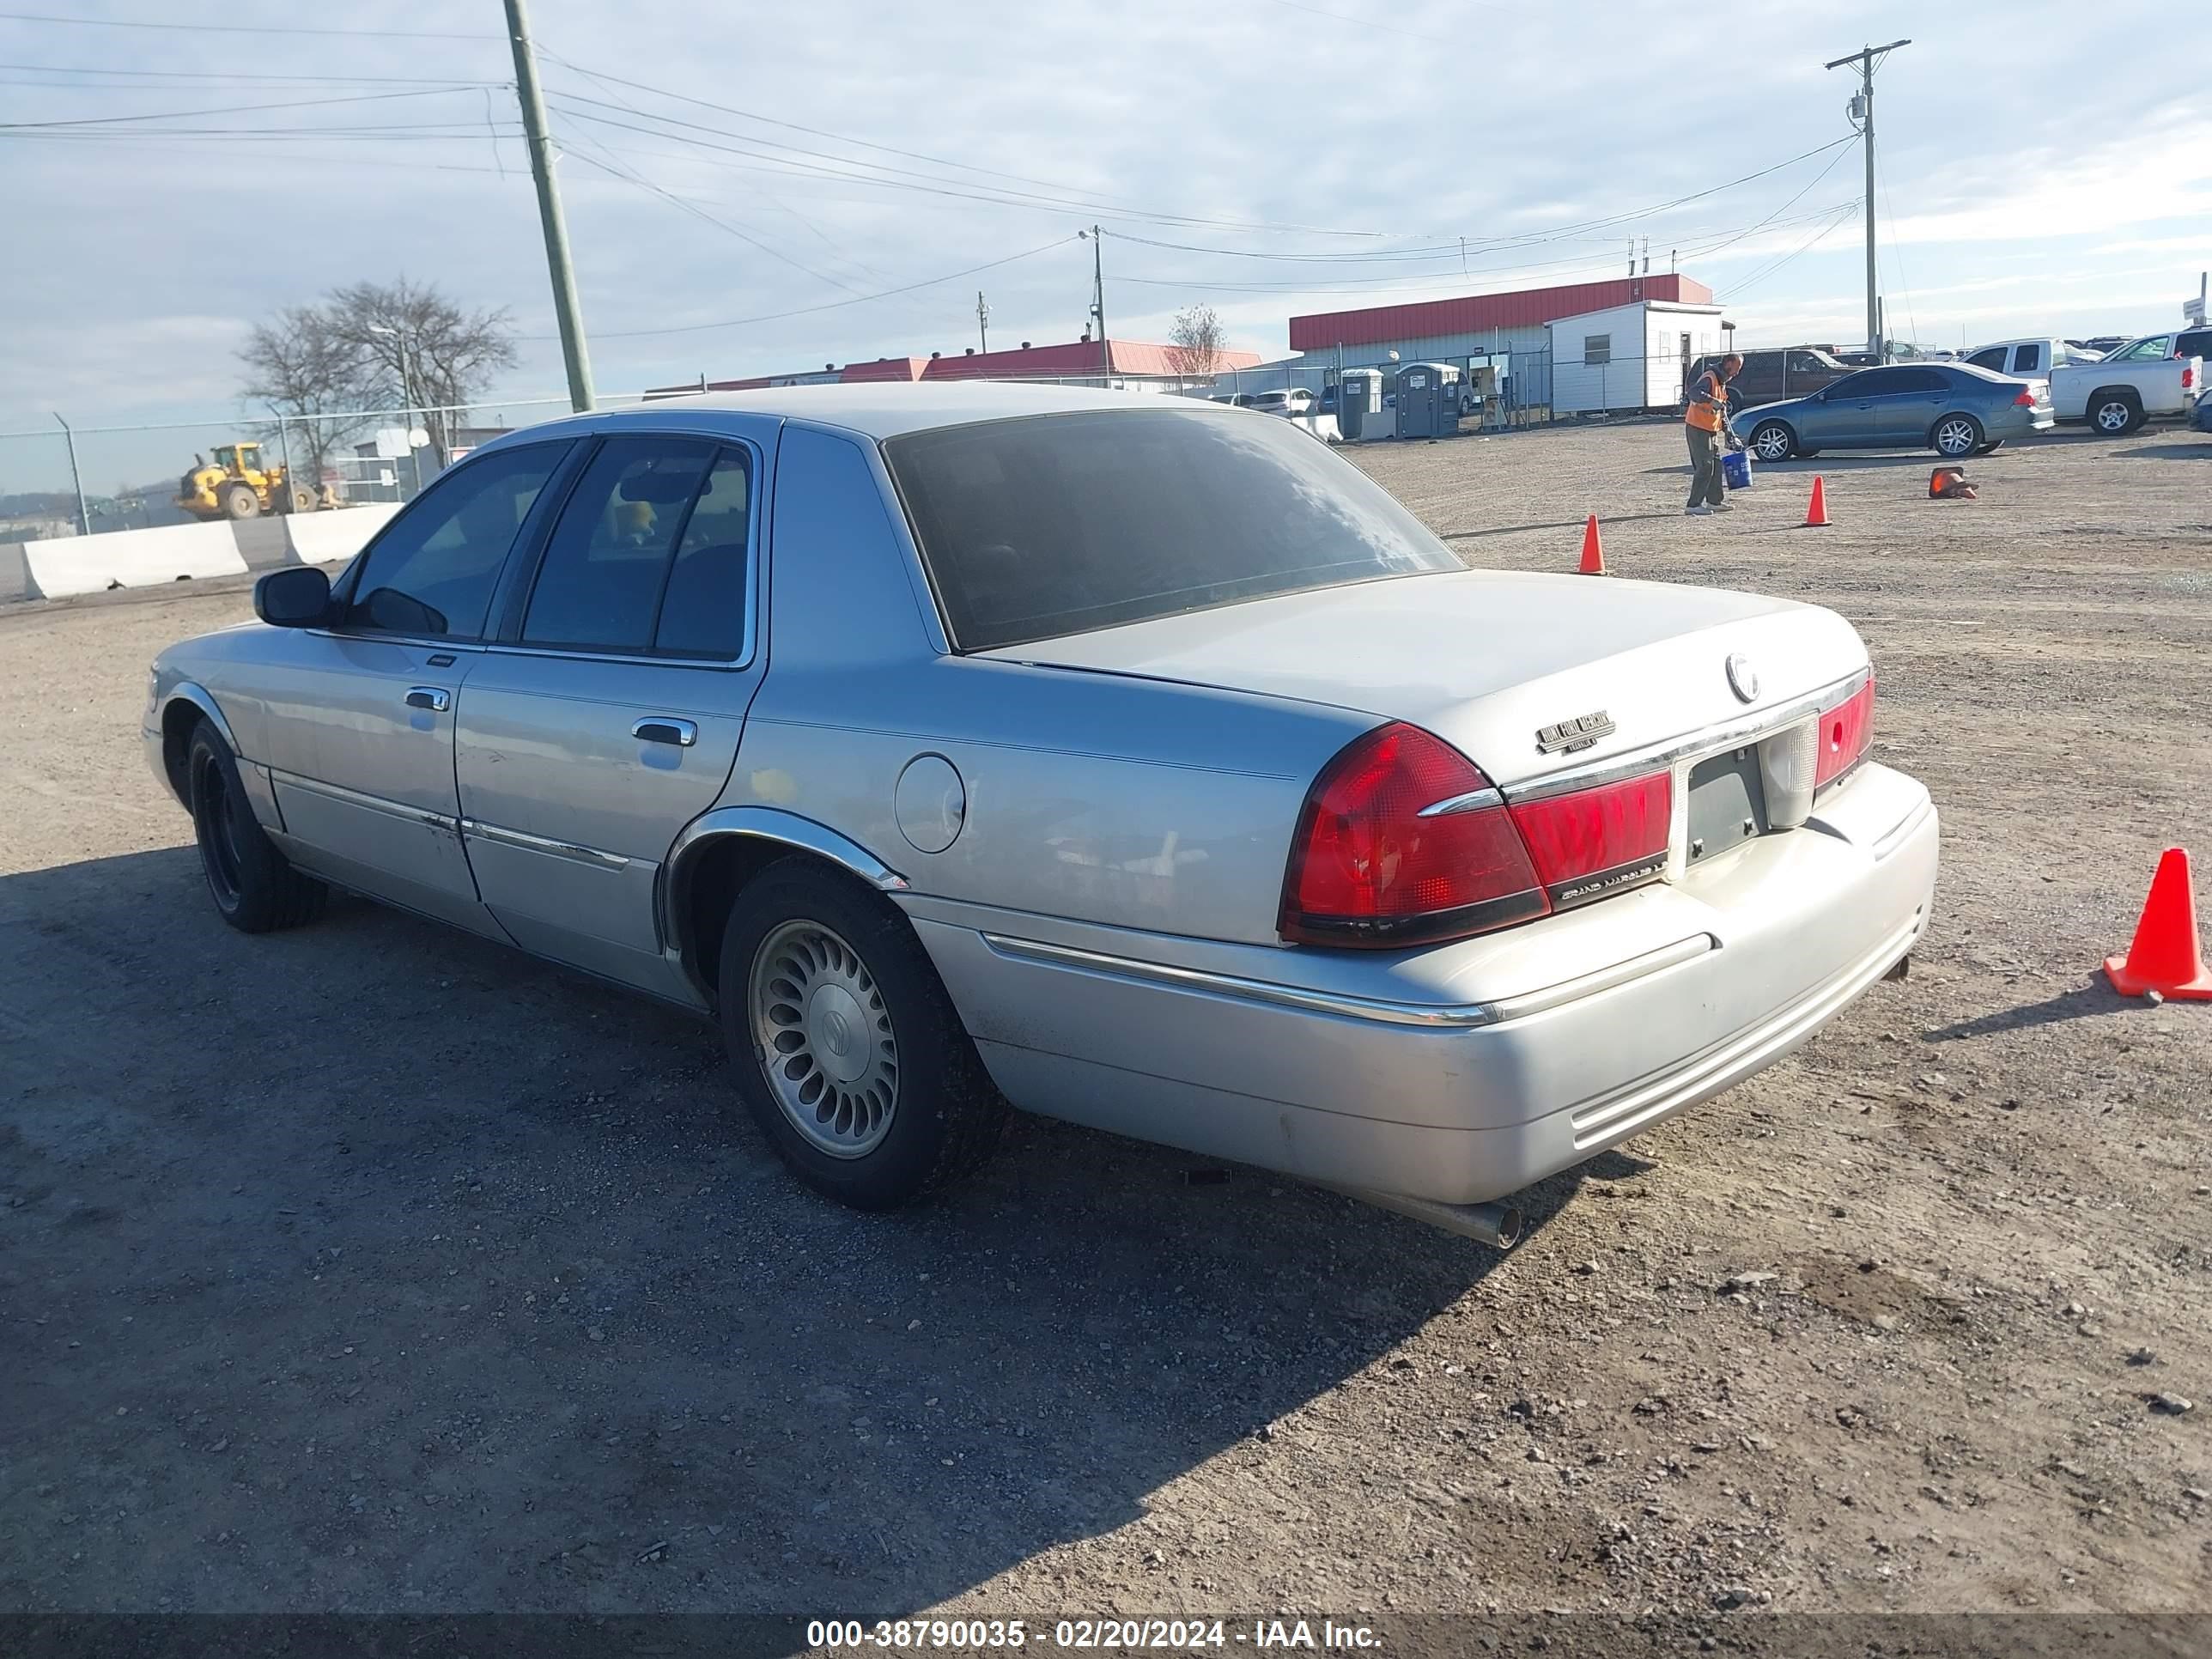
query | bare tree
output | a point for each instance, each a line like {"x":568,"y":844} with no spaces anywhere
{"x":425,"y":350}
{"x":1195,"y":344}
{"x":296,"y":365}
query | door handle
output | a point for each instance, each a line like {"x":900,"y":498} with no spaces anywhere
{"x":431,"y":697}
{"x":663,"y":728}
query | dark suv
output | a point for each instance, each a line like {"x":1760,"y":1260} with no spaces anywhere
{"x":1768,"y":377}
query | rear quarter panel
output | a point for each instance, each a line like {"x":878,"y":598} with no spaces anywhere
{"x":1124,"y":801}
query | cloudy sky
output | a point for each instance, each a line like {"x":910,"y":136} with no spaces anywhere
{"x":749,"y":188}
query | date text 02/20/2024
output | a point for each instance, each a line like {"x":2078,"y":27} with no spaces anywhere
{"x":1169,"y":1635}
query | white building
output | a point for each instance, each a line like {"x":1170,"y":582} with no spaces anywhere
{"x":1629,"y":357}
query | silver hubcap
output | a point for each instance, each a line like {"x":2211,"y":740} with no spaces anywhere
{"x":1773,"y":446}
{"x":1954,"y":436}
{"x":826,"y":1038}
{"x":2112,"y":416}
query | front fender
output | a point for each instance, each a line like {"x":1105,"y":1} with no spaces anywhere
{"x":165,"y":699}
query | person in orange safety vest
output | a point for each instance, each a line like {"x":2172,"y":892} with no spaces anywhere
{"x":1704,"y":419}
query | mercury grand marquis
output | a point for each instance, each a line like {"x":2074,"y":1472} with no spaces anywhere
{"x":1127,"y":759}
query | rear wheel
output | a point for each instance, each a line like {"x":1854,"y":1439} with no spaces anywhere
{"x":239,"y":502}
{"x":849,"y":1053}
{"x":1957,"y":435}
{"x":2115,"y":414}
{"x":1771,"y":441}
{"x":253,"y":886}
{"x":1991,"y":446}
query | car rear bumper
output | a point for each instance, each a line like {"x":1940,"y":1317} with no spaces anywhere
{"x":1464,"y":1073}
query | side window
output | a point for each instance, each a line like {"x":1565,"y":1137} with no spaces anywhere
{"x":1920,"y":381}
{"x":1597,"y":349}
{"x":608,"y":558}
{"x":1873,"y":383}
{"x":703,"y":613}
{"x":1993,"y":358}
{"x":2146,"y":352}
{"x":1804,"y":362}
{"x":2028,"y":360}
{"x":2196,"y":344}
{"x":431,"y":573}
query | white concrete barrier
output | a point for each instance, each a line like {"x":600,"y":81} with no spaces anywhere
{"x":322,"y":538}
{"x":132,"y":558}
{"x":168,"y":553}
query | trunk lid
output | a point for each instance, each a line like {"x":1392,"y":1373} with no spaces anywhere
{"x":1495,"y":662}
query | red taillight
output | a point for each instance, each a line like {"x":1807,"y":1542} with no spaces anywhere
{"x":1845,"y":731}
{"x":1368,"y":868}
{"x":1591,"y":842}
{"x":2026,"y":398}
{"x":2188,"y":376}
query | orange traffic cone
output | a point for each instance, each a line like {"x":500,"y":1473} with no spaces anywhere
{"x":1593,"y":550}
{"x":2165,"y":959}
{"x":1816,"y":511}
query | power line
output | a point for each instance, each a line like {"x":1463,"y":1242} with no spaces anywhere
{"x":245,"y":75}
{"x":827,"y":304}
{"x":616,"y":170}
{"x":1767,"y":270}
{"x":237,"y":28}
{"x":906,"y":178}
{"x":793,"y":126}
{"x":226,"y":109}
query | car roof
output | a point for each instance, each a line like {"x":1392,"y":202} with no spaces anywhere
{"x":876,"y":411}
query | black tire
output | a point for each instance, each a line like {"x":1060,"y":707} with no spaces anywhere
{"x":1991,"y":446}
{"x":254,"y":886}
{"x":1771,"y":440}
{"x":1955,"y":437}
{"x":238,"y":501}
{"x":2114,"y":413}
{"x":945,"y":1116}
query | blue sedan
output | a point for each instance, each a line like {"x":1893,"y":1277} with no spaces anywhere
{"x":1954,"y":409}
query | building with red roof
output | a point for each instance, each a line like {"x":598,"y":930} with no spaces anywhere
{"x":1117,"y":362}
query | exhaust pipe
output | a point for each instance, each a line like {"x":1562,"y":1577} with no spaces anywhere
{"x":1498,"y":1225}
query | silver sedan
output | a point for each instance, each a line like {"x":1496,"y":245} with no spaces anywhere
{"x":1126,"y":759}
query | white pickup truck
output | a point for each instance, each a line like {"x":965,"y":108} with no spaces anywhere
{"x":2157,"y":375}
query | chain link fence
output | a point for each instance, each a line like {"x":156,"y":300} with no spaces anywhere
{"x":84,"y":477}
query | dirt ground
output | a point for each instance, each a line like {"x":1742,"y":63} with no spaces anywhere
{"x":370,"y":1268}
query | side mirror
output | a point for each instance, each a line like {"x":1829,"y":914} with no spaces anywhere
{"x":296,"y":597}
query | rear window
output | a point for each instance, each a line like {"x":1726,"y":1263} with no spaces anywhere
{"x":1060,"y":523}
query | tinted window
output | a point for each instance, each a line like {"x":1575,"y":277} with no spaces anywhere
{"x":1889,"y":383}
{"x":432,"y":572}
{"x":2198,"y":343}
{"x":2028,"y":360}
{"x":1804,"y":362}
{"x":608,"y":557}
{"x":702,"y":613}
{"x":1059,"y":523}
{"x":1993,"y":358}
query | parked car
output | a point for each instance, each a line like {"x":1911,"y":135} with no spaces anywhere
{"x":2159,"y":374}
{"x":2201,"y":419}
{"x":1118,"y":757}
{"x":1768,"y":376}
{"x":1296,"y":400}
{"x":2100,"y":344}
{"x":1954,"y":409}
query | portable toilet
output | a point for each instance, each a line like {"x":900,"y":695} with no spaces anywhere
{"x":1358,"y":403}
{"x":1428,"y":400}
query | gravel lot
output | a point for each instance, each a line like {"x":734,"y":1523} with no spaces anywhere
{"x":369,"y":1268}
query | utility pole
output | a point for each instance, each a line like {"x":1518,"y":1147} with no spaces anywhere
{"x":982,"y":322}
{"x":565,"y":310}
{"x":1098,"y":298}
{"x":1862,"y":111}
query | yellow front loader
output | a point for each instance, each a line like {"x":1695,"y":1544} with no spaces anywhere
{"x":236,"y":485}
